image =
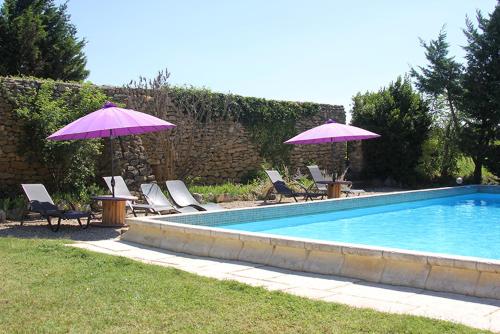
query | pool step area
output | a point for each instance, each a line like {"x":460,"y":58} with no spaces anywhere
{"x":463,"y":275}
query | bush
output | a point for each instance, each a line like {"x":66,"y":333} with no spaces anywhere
{"x":402,"y":119}
{"x":44,"y":110}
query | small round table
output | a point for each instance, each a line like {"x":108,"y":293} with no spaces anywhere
{"x":334,"y":187}
{"x":113,"y":210}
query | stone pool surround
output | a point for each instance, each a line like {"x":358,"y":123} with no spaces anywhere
{"x":196,"y":234}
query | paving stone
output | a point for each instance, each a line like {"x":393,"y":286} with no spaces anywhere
{"x":114,"y":245}
{"x":146,"y":254}
{"x":264,"y":272}
{"x":378,"y":291}
{"x":318,"y":282}
{"x":309,"y":293}
{"x":494,"y":319}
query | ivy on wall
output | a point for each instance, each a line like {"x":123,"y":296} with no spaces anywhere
{"x":269,"y":122}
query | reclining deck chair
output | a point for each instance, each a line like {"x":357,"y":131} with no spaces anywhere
{"x":183,"y":198}
{"x":121,"y":189}
{"x":317,"y":177}
{"x":344,"y":188}
{"x":40,"y":202}
{"x":282,"y":189}
{"x":158,"y":202}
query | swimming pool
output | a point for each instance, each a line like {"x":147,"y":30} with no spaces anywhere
{"x":466,"y":225}
{"x":444,"y":239}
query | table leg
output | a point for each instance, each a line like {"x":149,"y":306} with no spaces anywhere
{"x":333,"y":190}
{"x":113,"y":213}
{"x":336,"y":190}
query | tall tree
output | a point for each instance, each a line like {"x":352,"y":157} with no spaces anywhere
{"x":38,"y":39}
{"x":481,"y":98}
{"x":403,"y":120}
{"x":440,"y":81}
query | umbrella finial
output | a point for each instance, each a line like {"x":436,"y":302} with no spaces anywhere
{"x":108,"y":105}
{"x":330,"y":121}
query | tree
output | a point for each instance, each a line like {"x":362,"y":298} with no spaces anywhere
{"x":38,"y":39}
{"x":481,"y":99}
{"x":403,"y":120}
{"x":440,"y":81}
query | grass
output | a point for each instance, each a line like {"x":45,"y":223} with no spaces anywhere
{"x":48,"y":287}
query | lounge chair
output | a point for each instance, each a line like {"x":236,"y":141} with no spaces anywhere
{"x":40,"y":202}
{"x":159,"y":202}
{"x":183,"y":198}
{"x":121,"y":189}
{"x":318,"y":177}
{"x":282,"y":189}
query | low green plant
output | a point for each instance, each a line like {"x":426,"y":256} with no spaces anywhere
{"x":254,"y":190}
{"x":13,"y":206}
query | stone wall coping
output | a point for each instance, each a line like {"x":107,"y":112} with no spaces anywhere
{"x":435,"y":259}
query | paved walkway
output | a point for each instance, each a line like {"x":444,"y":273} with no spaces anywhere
{"x":476,"y":312}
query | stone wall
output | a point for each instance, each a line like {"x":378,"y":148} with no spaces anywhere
{"x":223,"y":151}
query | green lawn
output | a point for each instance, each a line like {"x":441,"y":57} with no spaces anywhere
{"x":48,"y":287}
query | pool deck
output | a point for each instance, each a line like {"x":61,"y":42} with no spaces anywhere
{"x":476,"y":312}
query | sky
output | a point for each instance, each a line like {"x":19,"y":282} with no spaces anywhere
{"x":317,"y":51}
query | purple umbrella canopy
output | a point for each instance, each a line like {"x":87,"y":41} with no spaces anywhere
{"x":331,"y":132}
{"x":110,"y":121}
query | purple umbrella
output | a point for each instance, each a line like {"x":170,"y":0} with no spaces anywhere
{"x":111,"y":121}
{"x":331,"y":132}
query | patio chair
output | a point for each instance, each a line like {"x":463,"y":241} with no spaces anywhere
{"x":283,"y":190}
{"x":40,"y":202}
{"x":159,"y":202}
{"x":183,"y":198}
{"x":317,"y":177}
{"x":121,"y":189}
{"x":347,"y":188}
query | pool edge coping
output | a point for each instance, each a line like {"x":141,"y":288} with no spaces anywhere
{"x":207,"y":240}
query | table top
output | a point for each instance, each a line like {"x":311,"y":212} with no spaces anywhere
{"x":333,"y":182}
{"x":111,"y":198}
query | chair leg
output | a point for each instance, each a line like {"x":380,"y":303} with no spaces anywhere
{"x":269,"y":191}
{"x":81,"y":225}
{"x":52,"y":227}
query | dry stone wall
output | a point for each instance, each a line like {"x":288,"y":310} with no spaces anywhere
{"x":223,"y":151}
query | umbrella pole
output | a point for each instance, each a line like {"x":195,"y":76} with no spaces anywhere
{"x":112,"y":164}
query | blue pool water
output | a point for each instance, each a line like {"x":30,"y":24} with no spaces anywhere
{"x":466,"y":225}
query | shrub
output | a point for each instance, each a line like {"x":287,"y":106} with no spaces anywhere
{"x":43,"y":110}
{"x":402,"y":119}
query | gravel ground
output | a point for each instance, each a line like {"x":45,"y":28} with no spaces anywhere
{"x":71,"y":230}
